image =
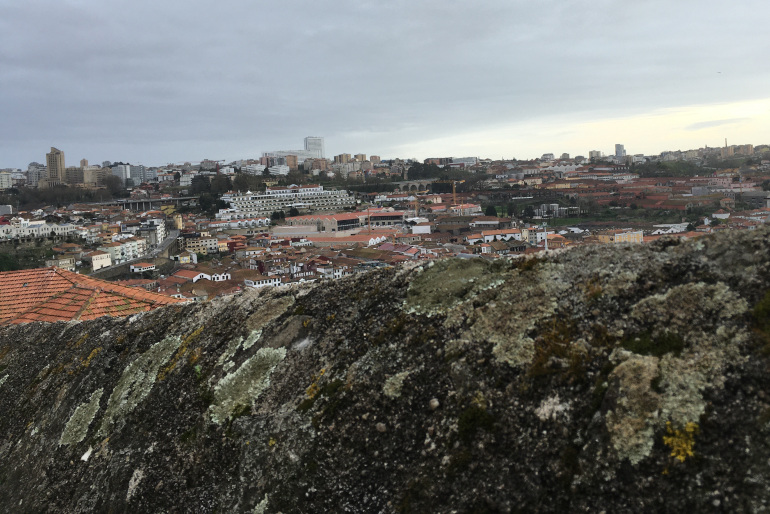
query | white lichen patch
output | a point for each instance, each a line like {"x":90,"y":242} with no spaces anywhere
{"x":683,"y":379}
{"x":229,"y":353}
{"x":76,"y":428}
{"x":3,"y":379}
{"x":515,"y":351}
{"x":268,"y":311}
{"x":507,"y":325}
{"x":253,"y":337}
{"x":680,"y":380}
{"x":631,"y":424}
{"x":261,"y":507}
{"x":302,"y":344}
{"x":691,"y":306}
{"x":552,"y":409}
{"x":136,"y":382}
{"x":136,"y":477}
{"x":393,"y":385}
{"x":244,"y":385}
{"x":703,"y":315}
{"x":619,"y":282}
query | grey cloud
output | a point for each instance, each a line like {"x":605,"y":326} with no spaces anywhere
{"x":173,"y":80}
{"x":714,"y":123}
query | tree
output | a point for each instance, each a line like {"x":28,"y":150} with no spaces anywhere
{"x":490,"y":211}
{"x":221,"y":184}
{"x":8,"y":262}
{"x":208,"y":203}
{"x":245,"y":182}
{"x":529,"y":211}
{"x":200,"y":184}
{"x":113,"y":184}
{"x":293,"y":212}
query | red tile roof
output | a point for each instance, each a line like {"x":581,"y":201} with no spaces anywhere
{"x":53,"y":294}
{"x":187,"y":274}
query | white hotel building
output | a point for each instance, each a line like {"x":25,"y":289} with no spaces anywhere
{"x":305,"y":198}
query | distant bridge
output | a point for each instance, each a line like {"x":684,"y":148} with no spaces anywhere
{"x":148,"y":204}
{"x":415,"y":185}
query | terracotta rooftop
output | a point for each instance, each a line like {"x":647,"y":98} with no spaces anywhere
{"x":53,"y":294}
{"x":187,"y":274}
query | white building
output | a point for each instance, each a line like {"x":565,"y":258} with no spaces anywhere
{"x":302,"y":155}
{"x":185,"y":179}
{"x":279,"y":170}
{"x":21,"y":227}
{"x":316,"y":144}
{"x":98,"y":259}
{"x":309,"y":197}
{"x":467,"y":161}
{"x":35,"y":173}
{"x":6,"y":180}
{"x":258,"y":281}
{"x":122,"y":171}
{"x":254,"y":169}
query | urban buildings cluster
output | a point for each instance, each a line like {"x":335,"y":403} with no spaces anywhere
{"x":284,"y":233}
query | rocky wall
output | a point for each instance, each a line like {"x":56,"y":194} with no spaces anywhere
{"x":619,"y":379}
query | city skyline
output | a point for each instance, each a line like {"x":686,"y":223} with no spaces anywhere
{"x":595,"y":152}
{"x":405,"y":79}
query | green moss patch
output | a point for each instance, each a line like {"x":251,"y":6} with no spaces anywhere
{"x":655,"y":345}
{"x":472,"y":420}
{"x":448,"y":283}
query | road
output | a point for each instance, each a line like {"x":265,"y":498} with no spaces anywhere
{"x":172,"y":235}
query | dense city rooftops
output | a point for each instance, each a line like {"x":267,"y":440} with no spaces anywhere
{"x":53,"y":294}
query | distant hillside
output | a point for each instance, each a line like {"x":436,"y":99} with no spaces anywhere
{"x":616,"y":379}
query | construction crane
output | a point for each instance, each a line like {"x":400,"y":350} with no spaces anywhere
{"x":454,"y":187}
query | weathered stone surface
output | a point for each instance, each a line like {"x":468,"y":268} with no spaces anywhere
{"x":623,"y":379}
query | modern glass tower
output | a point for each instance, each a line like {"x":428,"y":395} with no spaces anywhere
{"x":315,"y":144}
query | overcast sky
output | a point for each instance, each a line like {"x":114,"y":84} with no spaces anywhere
{"x":166,"y":81}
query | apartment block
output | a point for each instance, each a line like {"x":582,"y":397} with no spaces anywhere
{"x":307,"y":197}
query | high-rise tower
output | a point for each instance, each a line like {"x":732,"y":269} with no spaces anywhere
{"x":55,"y":162}
{"x":315,"y":144}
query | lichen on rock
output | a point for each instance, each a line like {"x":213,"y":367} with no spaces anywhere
{"x":448,"y":283}
{"x":241,"y":387}
{"x":553,"y":408}
{"x":136,"y":382}
{"x":77,"y":426}
{"x":393,"y":385}
{"x":631,"y":422}
{"x":261,"y":507}
{"x":565,"y":382}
